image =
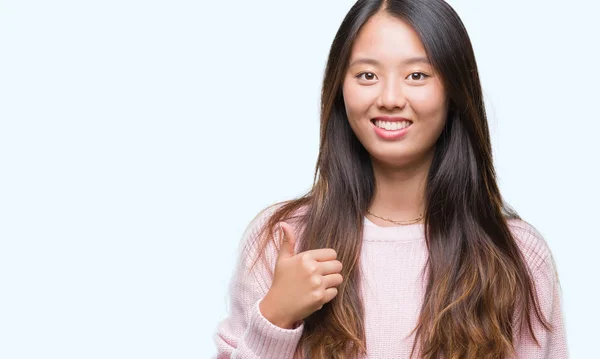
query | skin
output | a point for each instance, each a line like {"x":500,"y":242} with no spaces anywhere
{"x":391,"y":86}
{"x":302,"y":282}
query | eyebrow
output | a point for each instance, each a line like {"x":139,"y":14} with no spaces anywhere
{"x":409,"y":61}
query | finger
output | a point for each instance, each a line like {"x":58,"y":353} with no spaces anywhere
{"x":332,"y":280}
{"x":329,"y":267}
{"x":330,"y":293}
{"x":322,"y":254}
{"x":288,"y":242}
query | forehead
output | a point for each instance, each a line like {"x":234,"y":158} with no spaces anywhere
{"x":387,"y":39}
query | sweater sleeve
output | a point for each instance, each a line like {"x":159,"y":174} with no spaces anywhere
{"x":245,"y":332}
{"x":552,"y":344}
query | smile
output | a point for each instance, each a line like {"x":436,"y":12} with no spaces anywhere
{"x":390,"y":130}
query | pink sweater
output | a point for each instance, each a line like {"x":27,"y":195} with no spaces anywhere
{"x":392,"y":288}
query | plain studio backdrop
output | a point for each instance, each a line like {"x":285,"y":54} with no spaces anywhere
{"x":139,"y":138}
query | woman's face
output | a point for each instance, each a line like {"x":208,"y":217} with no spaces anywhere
{"x":389,"y":79}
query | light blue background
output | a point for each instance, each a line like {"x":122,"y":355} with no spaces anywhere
{"x":139,"y":138}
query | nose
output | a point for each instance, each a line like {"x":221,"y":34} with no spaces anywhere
{"x":391,"y":96}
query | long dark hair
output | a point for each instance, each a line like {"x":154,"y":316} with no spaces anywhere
{"x":477,"y":276}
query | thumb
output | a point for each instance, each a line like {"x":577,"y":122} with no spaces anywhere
{"x":288,"y":241}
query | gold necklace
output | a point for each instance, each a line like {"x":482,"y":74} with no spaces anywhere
{"x":397,"y":222}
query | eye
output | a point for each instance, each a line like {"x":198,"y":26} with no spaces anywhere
{"x":368,"y":76}
{"x":419,"y":76}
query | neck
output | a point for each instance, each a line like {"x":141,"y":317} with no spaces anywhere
{"x":400,"y":191}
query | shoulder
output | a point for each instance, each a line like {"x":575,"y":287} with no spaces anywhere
{"x":257,"y":224}
{"x":539,"y":259}
{"x":258,"y":241}
{"x":262,"y":218}
{"x":531,"y":242}
{"x":252,"y":240}
{"x":548,"y":295}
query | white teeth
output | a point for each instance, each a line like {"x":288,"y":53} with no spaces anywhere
{"x":391,"y":126}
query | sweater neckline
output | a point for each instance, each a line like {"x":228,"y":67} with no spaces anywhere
{"x":402,"y":233}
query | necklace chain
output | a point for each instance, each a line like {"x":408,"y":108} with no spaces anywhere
{"x":412,"y":221}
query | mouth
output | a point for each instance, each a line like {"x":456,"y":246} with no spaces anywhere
{"x":387,"y":129}
{"x":391,"y":125}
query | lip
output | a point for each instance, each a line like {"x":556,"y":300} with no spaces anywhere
{"x":390,"y":135}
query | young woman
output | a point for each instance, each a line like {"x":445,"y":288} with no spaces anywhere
{"x":404,"y":246}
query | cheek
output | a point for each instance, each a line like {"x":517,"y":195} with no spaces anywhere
{"x":429,"y":103}
{"x":357,"y":102}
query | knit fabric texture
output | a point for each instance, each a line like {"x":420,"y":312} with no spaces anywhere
{"x":392,"y":262}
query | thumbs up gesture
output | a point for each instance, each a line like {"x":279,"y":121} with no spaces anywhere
{"x":302,"y":282}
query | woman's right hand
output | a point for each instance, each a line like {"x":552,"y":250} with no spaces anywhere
{"x":302,"y":282}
